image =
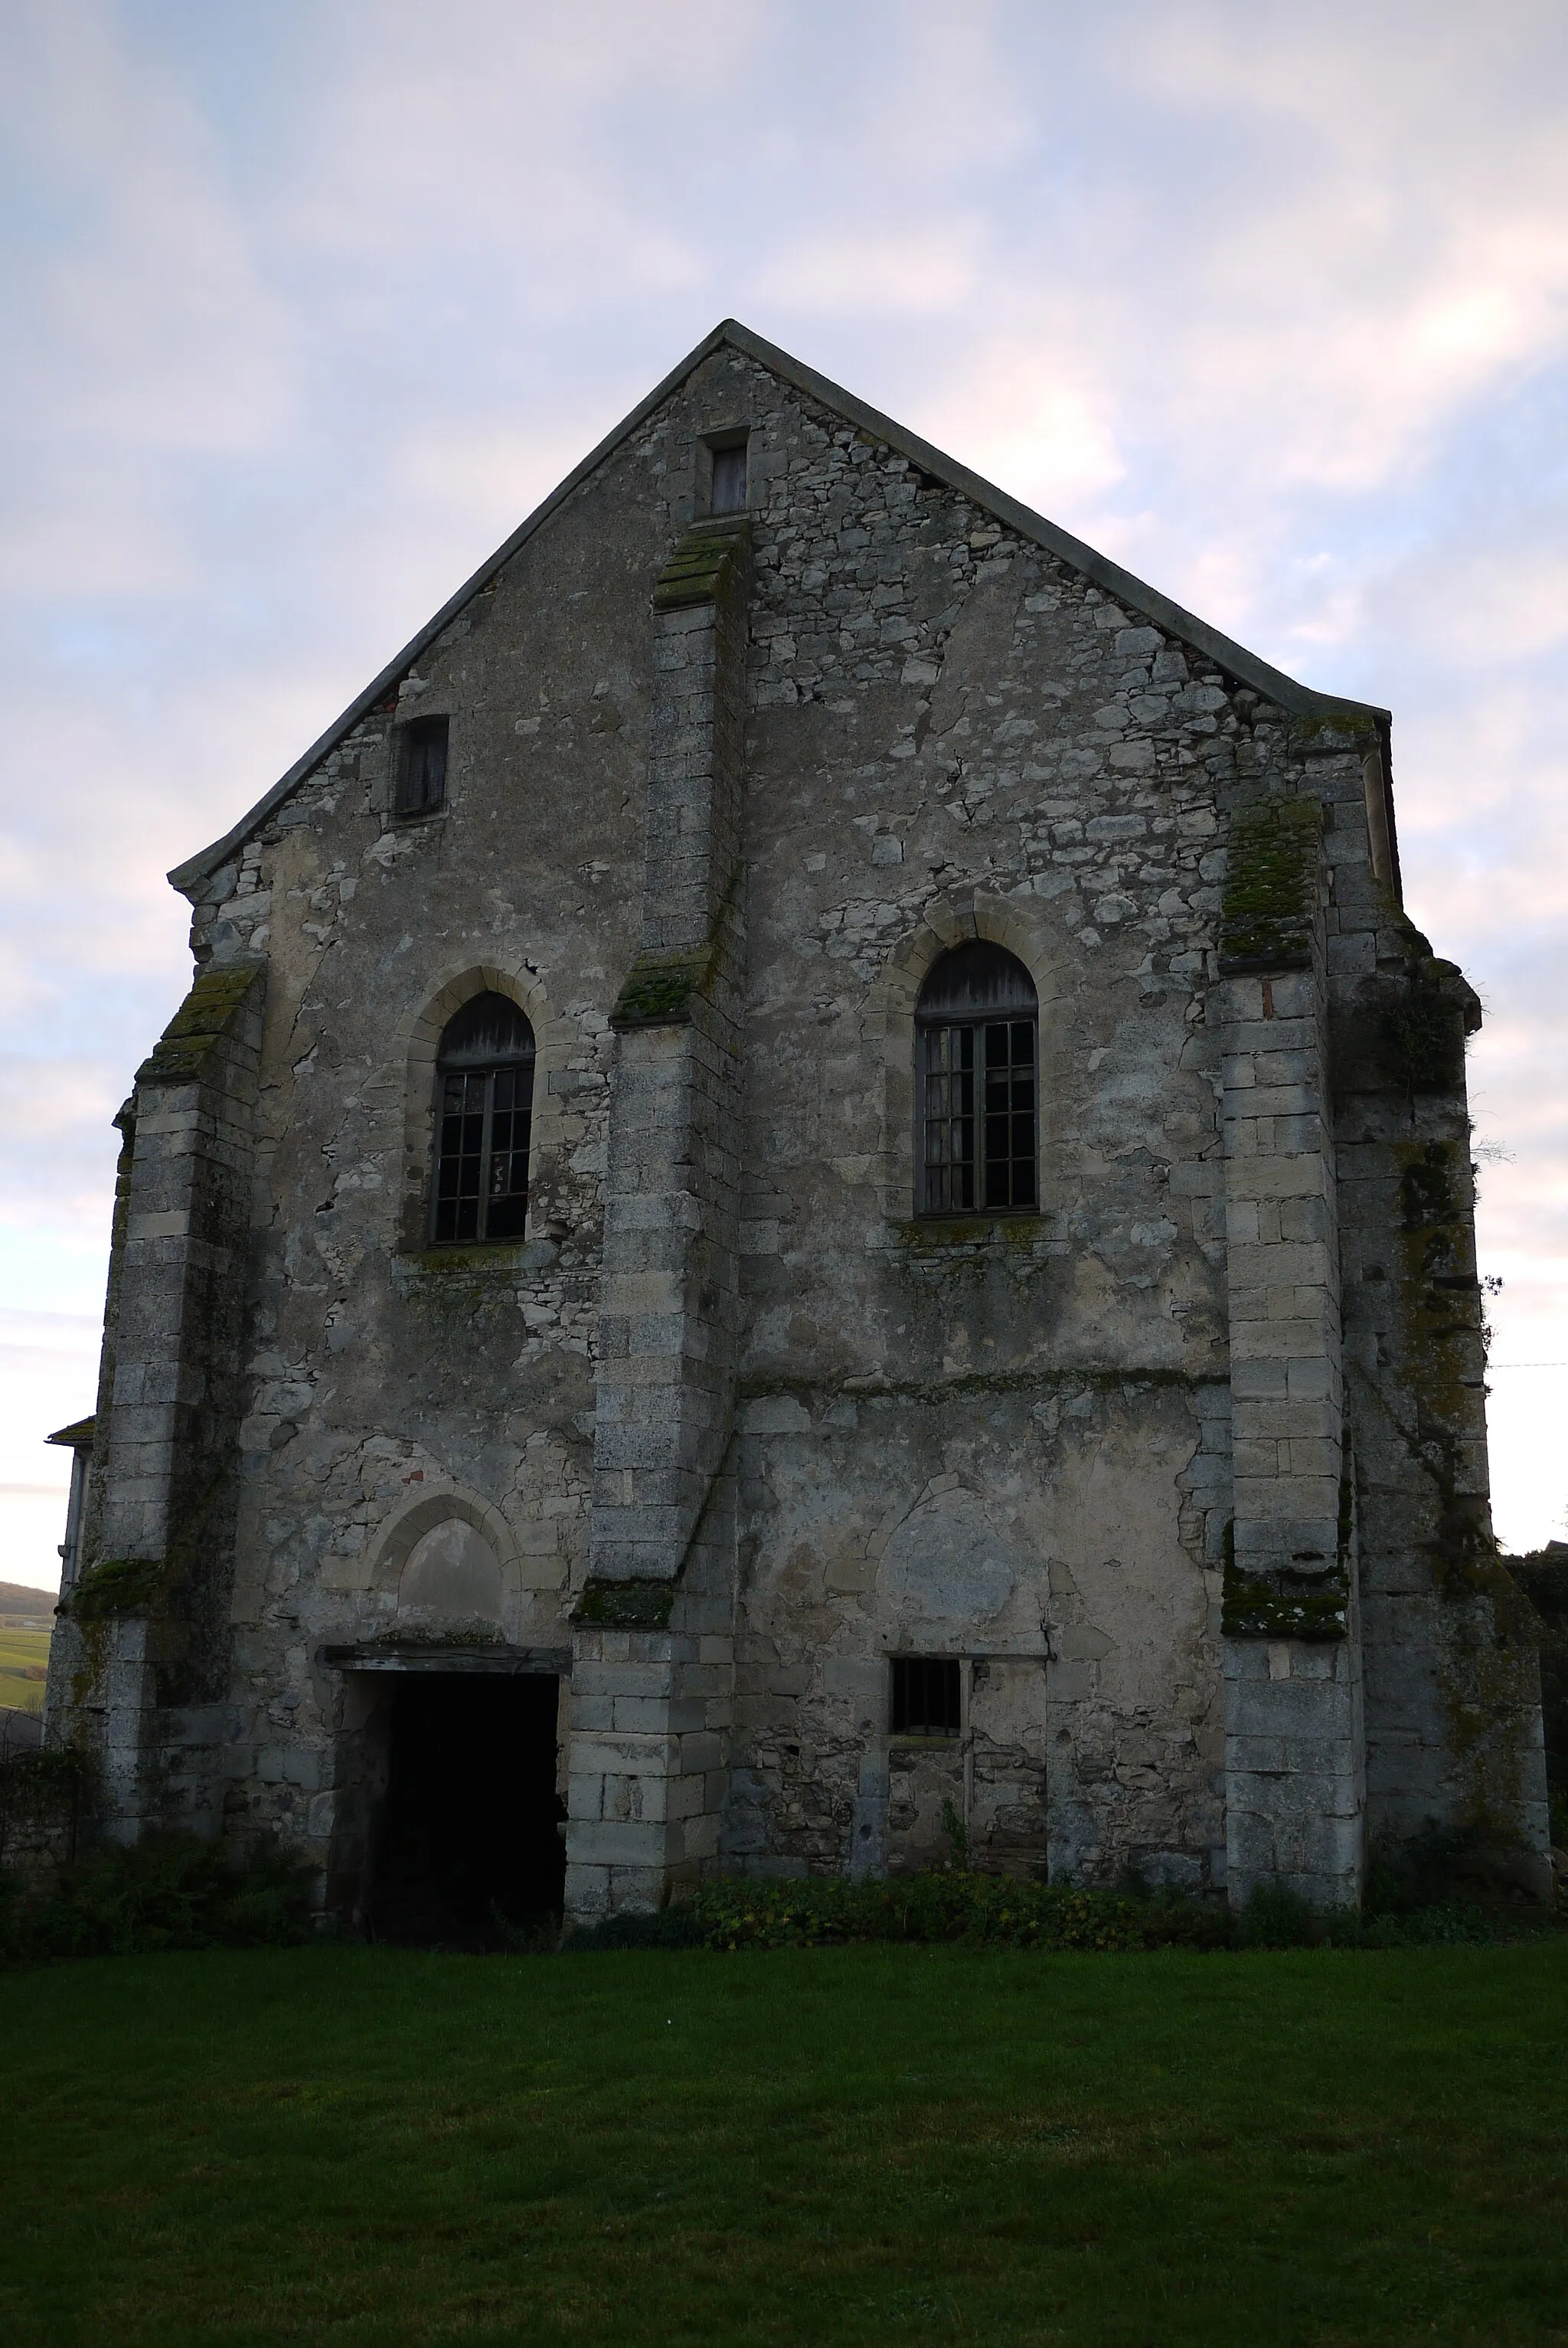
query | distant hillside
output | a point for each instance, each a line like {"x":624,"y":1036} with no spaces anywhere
{"x":17,"y":1598}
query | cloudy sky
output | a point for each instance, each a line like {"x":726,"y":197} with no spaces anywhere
{"x":310,"y":303}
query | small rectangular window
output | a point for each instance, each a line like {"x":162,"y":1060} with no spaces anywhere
{"x":729,"y":479}
{"x":421,"y":766}
{"x":925,"y":1696}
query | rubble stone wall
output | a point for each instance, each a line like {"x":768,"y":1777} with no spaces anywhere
{"x":1007,"y":1440}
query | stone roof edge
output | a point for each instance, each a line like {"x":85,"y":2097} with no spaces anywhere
{"x":1245,"y":666}
{"x":197,"y":867}
{"x":1109,"y":576}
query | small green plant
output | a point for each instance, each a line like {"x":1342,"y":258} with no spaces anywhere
{"x":961,"y":1906}
{"x":957,"y":1832}
{"x":1274,"y":1918}
{"x":948,"y":1904}
{"x":168,"y":1891}
{"x":668,"y":1928}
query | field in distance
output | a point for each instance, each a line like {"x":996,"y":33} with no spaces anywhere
{"x":20,"y":1603}
{"x":26,"y":1625}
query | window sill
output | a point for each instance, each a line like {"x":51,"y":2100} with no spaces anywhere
{"x":409,"y":818}
{"x":482,"y":1256}
{"x":914,"y":1741}
{"x":963,"y":1230}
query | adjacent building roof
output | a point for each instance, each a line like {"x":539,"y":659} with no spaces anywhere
{"x":1132,"y":594}
{"x":77,"y":1436}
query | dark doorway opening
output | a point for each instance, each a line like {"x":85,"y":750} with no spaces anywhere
{"x":469,"y":1851}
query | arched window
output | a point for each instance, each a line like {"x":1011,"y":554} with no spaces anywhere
{"x":975,"y":1024}
{"x":484,"y":1107}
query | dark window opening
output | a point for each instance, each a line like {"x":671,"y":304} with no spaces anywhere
{"x":468,"y":1843}
{"x":977,"y":1030}
{"x":729,"y":479}
{"x":484,"y":1109}
{"x":925,"y":1696}
{"x":421,"y":766}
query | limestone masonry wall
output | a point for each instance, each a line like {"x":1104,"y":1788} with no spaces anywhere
{"x":735,"y":1422}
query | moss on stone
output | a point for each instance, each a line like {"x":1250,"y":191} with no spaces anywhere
{"x":472,"y":1630}
{"x":642,"y":1605}
{"x":1313,"y":1607}
{"x":817,"y":1394}
{"x":497,"y":1258}
{"x":206,"y":1014}
{"x":935,"y":1234}
{"x":1423,"y":1030}
{"x":1312,"y":731}
{"x":659,"y":989}
{"x":118,"y":1585}
{"x":1271,"y":886}
{"x":694,"y":573}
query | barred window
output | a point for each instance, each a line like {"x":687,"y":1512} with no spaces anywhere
{"x":977,"y":1024}
{"x":484,"y":1108}
{"x":926,"y":1698}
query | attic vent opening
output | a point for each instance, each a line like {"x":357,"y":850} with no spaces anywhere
{"x":729,"y":479}
{"x":421,"y":766}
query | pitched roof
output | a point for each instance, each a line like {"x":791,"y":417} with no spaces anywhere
{"x":1108,"y":576}
{"x":77,"y":1436}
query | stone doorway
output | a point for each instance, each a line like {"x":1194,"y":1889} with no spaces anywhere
{"x":468,"y":1848}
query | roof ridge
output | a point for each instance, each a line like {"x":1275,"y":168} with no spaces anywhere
{"x":1121,"y":584}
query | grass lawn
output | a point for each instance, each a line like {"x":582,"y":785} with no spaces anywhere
{"x":347,"y":2145}
{"x":24,"y":1666}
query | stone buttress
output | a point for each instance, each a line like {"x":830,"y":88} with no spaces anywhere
{"x":141,"y":1662}
{"x":1295,"y":1772}
{"x":652,"y":1647}
{"x":1452,"y":1697}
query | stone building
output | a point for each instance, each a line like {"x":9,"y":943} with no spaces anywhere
{"x":812,"y":1198}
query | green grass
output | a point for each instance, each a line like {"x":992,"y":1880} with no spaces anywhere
{"x":23,"y":1665}
{"x":343,"y":2145}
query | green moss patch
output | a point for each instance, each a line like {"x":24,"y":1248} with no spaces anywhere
{"x":1326,"y":729}
{"x":1313,"y":1608}
{"x":207,"y":1013}
{"x":118,"y":1585}
{"x":1271,"y":886}
{"x":659,"y":989}
{"x":695,"y":571}
{"x":643,"y":1605}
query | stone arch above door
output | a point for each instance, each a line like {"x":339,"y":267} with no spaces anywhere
{"x":448,"y":1554}
{"x":452,"y":1569}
